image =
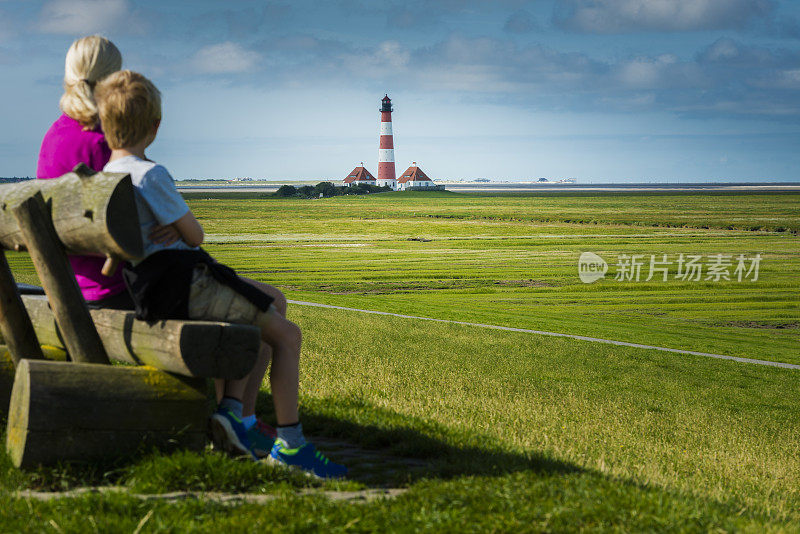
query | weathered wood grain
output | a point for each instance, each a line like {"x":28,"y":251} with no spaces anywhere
{"x":55,"y":272}
{"x":92,"y":212}
{"x":76,"y":412}
{"x":7,"y":371}
{"x":191,"y":348}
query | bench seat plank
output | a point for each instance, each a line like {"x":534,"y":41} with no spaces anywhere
{"x":204,"y":349}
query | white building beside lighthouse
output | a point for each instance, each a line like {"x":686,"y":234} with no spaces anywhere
{"x":359,"y":176}
{"x":414,"y":178}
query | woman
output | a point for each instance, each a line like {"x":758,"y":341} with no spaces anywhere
{"x":75,"y":137}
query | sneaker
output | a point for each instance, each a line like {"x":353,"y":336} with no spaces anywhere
{"x":262,"y":438}
{"x":307,"y":458}
{"x":229,"y":435}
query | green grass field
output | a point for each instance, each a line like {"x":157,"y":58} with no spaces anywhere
{"x":486,"y":429}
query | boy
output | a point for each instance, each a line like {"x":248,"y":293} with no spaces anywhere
{"x":176,"y":279}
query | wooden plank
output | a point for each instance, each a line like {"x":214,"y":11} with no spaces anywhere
{"x":95,"y":412}
{"x":15,"y":324}
{"x":55,"y":272}
{"x":192,"y":348}
{"x":92,"y":212}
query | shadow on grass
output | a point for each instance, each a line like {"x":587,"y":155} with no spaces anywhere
{"x":153,"y":471}
{"x":380,"y":447}
{"x":383,"y":448}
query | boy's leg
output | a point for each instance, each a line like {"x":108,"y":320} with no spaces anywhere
{"x":256,"y":377}
{"x":290,"y":447}
{"x":252,"y":383}
{"x":285,"y":339}
{"x":265,"y":354}
{"x":280,"y":299}
{"x":234,"y":424}
{"x":227,"y":430}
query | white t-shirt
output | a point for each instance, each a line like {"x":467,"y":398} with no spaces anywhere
{"x":157,"y":200}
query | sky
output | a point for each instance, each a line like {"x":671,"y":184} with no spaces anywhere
{"x":596,"y":90}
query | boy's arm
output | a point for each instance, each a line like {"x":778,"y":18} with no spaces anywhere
{"x":164,"y":235}
{"x":169,"y":208}
{"x":190,"y":229}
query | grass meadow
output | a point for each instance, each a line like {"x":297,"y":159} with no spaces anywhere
{"x":483,"y":429}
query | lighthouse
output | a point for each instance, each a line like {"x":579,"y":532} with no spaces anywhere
{"x":386,"y":174}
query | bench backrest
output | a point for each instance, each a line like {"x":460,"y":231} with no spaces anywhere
{"x":92,"y":212}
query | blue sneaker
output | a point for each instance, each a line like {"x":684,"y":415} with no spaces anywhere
{"x":229,"y":435}
{"x":262,"y":437}
{"x":307,"y":458}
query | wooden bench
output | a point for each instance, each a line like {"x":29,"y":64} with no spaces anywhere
{"x":83,"y":408}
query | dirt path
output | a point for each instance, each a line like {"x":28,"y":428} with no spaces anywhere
{"x":374,"y":467}
{"x":366,"y":495}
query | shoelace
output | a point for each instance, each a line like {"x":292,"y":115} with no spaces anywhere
{"x":321,"y":457}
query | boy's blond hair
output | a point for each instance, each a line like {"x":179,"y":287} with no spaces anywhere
{"x":129,"y":105}
{"x":89,"y":60}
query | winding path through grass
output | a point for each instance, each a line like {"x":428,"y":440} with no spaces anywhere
{"x":556,"y":334}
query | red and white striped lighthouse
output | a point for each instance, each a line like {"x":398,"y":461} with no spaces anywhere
{"x":386,"y":174}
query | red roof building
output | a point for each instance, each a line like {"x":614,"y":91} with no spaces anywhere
{"x":414,"y":177}
{"x":359,"y":175}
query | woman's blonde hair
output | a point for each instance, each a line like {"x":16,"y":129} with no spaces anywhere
{"x":89,"y":60}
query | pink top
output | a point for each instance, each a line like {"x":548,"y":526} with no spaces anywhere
{"x":65,"y":145}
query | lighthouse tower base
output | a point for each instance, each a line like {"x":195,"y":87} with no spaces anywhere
{"x":390,"y":183}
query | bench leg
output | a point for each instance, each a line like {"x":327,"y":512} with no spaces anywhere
{"x":78,"y":412}
{"x":70,"y":310}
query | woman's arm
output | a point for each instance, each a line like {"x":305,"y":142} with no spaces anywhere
{"x":190,"y":229}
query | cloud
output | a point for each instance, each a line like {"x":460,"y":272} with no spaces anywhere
{"x":6,"y":31}
{"x":730,"y":54}
{"x":224,"y":58}
{"x":390,"y":54}
{"x":784,"y":26}
{"x":486,"y":65}
{"x":520,"y":22}
{"x":82,"y":17}
{"x":237,"y":21}
{"x":410,"y":14}
{"x":660,"y":73}
{"x":630,"y":16}
{"x":406,"y":17}
{"x":725,"y":78}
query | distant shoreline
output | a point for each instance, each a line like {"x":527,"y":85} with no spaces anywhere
{"x":520,"y":187}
